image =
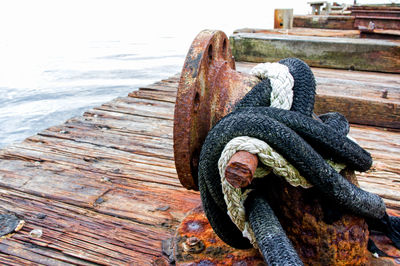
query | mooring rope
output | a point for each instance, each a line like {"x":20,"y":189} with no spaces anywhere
{"x":281,"y":82}
{"x":305,"y":143}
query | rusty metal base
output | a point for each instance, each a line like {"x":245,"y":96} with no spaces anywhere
{"x":196,"y":243}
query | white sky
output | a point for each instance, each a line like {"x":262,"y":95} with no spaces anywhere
{"x":56,"y":20}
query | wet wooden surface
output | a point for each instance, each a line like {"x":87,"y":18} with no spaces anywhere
{"x":103,"y":188}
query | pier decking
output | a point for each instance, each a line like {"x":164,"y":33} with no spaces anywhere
{"x":103,"y":188}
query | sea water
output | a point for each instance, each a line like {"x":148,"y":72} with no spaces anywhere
{"x":38,"y":92}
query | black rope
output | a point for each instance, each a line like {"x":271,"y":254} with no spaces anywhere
{"x":305,"y":143}
{"x":304,"y":86}
{"x":276,"y":247}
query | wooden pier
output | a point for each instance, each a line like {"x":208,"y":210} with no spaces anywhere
{"x":103,"y":188}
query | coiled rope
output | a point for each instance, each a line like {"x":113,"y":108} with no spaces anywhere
{"x":305,"y":143}
{"x":281,"y":97}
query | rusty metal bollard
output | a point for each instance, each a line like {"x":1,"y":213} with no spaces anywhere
{"x":208,"y":90}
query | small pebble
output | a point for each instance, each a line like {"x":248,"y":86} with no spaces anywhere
{"x":99,"y":200}
{"x":36,"y":233}
{"x":116,"y":171}
{"x":105,"y":179}
{"x":162,"y":208}
{"x":41,"y":216}
{"x":20,"y":225}
{"x":385,"y":94}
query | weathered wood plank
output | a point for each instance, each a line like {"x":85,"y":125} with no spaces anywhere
{"x":152,"y":95}
{"x":92,"y":151}
{"x":384,"y":176}
{"x":361,"y":110}
{"x":342,"y":53}
{"x":91,"y":189}
{"x":325,"y":22}
{"x":75,"y":235}
{"x":141,"y":107}
{"x":148,"y":146}
{"x":108,"y":121}
{"x":304,"y":32}
{"x":109,"y":168}
{"x":12,"y":260}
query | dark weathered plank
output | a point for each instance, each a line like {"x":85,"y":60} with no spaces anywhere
{"x":361,"y":110}
{"x":325,"y":22}
{"x":304,"y":32}
{"x":342,"y":53}
{"x":384,"y":176}
{"x":78,"y":235}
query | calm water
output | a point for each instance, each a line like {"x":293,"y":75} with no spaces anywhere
{"x":69,"y":82}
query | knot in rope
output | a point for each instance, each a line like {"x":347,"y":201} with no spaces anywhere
{"x":281,"y":97}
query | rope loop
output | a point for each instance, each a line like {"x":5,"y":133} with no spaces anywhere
{"x":281,"y":82}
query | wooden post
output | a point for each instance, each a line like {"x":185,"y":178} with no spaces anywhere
{"x":283,"y":18}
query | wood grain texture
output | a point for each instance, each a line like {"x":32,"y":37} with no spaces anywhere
{"x":324,"y":22}
{"x":328,"y":52}
{"x":103,"y":187}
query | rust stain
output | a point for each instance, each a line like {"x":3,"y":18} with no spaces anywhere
{"x":196,"y":243}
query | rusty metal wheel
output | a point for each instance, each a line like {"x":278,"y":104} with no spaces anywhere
{"x":208,"y":90}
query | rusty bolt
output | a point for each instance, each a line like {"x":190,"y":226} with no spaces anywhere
{"x":192,"y":241}
{"x":193,"y":245}
{"x":385,"y":94}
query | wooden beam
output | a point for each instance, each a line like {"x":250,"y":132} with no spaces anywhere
{"x":342,"y":53}
{"x":324,"y":22}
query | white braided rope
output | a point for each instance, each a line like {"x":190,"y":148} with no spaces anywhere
{"x":281,"y":83}
{"x":234,"y":197}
